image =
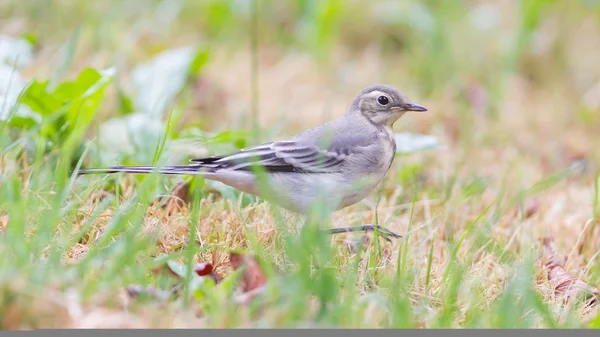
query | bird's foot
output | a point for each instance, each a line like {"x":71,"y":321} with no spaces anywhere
{"x":383,"y":232}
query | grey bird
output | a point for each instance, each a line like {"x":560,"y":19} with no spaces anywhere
{"x":339,"y":162}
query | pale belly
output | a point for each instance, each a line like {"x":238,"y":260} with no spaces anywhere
{"x":330,"y":191}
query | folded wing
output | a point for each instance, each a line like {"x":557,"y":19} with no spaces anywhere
{"x":282,"y":156}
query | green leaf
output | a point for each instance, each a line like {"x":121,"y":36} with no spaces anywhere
{"x":30,"y":37}
{"x":24,"y":122}
{"x":177,"y":268}
{"x":39,"y":100}
{"x":70,"y":108}
{"x":200,"y":60}
{"x":86,"y":94}
{"x":125,"y":103}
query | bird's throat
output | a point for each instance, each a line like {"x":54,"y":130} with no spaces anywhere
{"x":393,"y":118}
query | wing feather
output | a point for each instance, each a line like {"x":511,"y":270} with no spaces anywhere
{"x":285,"y":156}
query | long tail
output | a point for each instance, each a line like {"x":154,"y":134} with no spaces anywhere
{"x":180,"y":169}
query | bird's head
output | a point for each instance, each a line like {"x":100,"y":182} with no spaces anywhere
{"x":383,"y":104}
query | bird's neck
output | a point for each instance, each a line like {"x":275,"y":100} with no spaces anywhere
{"x":389,"y":129}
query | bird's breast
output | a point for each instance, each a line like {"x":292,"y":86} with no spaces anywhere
{"x":388,"y":148}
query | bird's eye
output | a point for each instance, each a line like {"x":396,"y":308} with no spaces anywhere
{"x":383,"y":100}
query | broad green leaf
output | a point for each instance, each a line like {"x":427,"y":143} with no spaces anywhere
{"x":24,"y":118}
{"x":39,"y":99}
{"x":88,"y":90}
{"x":75,"y":101}
{"x":62,"y":114}
{"x":177,"y":268}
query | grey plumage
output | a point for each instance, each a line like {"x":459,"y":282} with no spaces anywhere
{"x":341,"y":161}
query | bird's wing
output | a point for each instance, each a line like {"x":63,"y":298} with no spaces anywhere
{"x":288,"y":156}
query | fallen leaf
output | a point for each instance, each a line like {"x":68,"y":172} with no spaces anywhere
{"x":3,"y":221}
{"x":529,"y":209}
{"x":178,"y":198}
{"x":200,"y":272}
{"x":203,"y":269}
{"x":565,"y":284}
{"x":206,"y":269}
{"x":172,"y":268}
{"x":253,"y":276}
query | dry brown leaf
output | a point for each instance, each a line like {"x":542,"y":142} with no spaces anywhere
{"x":177,"y":270}
{"x":565,"y":284}
{"x":253,"y":276}
{"x":529,"y":209}
{"x":206,"y":269}
{"x":177,"y":199}
{"x":3,"y":221}
{"x":166,"y":269}
{"x":203,"y":269}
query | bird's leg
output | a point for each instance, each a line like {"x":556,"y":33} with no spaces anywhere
{"x":385,"y":233}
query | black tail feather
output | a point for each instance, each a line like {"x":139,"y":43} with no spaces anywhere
{"x":179,"y":169}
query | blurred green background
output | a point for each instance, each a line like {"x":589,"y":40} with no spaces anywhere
{"x":513,"y":92}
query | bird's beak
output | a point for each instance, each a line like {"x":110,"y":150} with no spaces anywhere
{"x":413,"y":107}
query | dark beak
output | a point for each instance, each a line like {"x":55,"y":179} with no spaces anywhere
{"x":413,"y":107}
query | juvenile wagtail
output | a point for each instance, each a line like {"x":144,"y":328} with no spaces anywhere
{"x":339,"y":162}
